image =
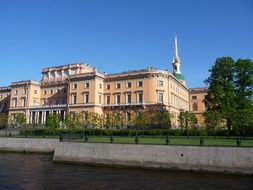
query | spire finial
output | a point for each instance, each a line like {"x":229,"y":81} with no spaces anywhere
{"x":176,"y":59}
{"x":176,"y":49}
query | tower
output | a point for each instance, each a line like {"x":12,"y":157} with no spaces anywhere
{"x":176,"y":65}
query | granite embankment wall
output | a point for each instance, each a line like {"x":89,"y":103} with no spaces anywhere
{"x":159,"y":156}
{"x":223,"y":159}
{"x":28,"y":145}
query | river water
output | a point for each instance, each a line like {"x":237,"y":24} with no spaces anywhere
{"x":37,"y":171}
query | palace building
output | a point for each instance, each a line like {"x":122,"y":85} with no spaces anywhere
{"x":197,"y":104}
{"x":79,"y":87}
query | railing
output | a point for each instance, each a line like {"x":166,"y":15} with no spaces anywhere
{"x":157,"y":140}
{"x":124,"y":104}
{"x":48,"y":106}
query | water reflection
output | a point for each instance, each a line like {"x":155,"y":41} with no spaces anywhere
{"x":36,"y":171}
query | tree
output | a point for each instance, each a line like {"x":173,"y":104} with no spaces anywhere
{"x":70,"y":120}
{"x":221,"y":97}
{"x":53,"y":121}
{"x":95,"y":120}
{"x":117,"y":119}
{"x":187,"y":120}
{"x":230,"y":93}
{"x":3,"y":120}
{"x":213,"y":120}
{"x":243,"y":82}
{"x":108,"y":120}
{"x":20,"y":119}
{"x":163,"y":119}
{"x":140,"y":120}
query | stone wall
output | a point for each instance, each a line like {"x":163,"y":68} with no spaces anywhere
{"x":223,"y":159}
{"x":28,"y":144}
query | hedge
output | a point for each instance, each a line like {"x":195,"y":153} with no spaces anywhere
{"x":124,"y":132}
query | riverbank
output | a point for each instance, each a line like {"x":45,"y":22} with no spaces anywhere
{"x":216,"y":159}
{"x":36,"y":145}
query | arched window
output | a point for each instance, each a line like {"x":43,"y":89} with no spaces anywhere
{"x":195,"y":107}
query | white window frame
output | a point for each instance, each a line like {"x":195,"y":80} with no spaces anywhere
{"x":138,"y":97}
{"x":160,"y":93}
{"x":107,"y":99}
{"x":72,"y":99}
{"x":85,"y":95}
{"x":138,"y":85}
{"x":127,"y":94}
{"x":116,"y":99}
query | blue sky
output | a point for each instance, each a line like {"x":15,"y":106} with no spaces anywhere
{"x":118,"y":35}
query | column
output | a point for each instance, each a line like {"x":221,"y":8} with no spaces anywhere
{"x":36,"y":117}
{"x":42,"y":117}
{"x":30,"y":117}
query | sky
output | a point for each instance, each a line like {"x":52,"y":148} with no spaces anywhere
{"x":121,"y":35}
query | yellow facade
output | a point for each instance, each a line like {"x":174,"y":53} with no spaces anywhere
{"x":80,"y":87}
{"x":197,"y":104}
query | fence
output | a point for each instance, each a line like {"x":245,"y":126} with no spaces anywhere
{"x":158,"y":140}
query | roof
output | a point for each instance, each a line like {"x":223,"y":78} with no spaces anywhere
{"x":179,"y":76}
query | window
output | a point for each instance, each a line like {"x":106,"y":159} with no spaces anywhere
{"x":160,"y":83}
{"x":23,"y":102}
{"x":24,"y":92}
{"x":117,"y":99}
{"x":129,"y":98}
{"x":107,"y":99}
{"x":87,"y":85}
{"x":1,"y":96}
{"x":74,"y":86}
{"x":195,"y":107}
{"x":100,"y":86}
{"x":44,"y":92}
{"x":118,"y":86}
{"x":14,"y":102}
{"x":16,"y":92}
{"x":35,"y":91}
{"x":160,"y":97}
{"x":73,"y":98}
{"x":99,"y":99}
{"x":140,"y":83}
{"x":52,"y":91}
{"x":108,"y":87}
{"x":64,"y":90}
{"x":86,"y":98}
{"x":129,"y":84}
{"x":139,"y":98}
{"x":58,"y":90}
{"x":194,"y":97}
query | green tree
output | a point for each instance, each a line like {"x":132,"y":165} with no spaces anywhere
{"x":20,"y":119}
{"x":3,"y":120}
{"x":187,"y":120}
{"x":53,"y":121}
{"x":163,"y":119}
{"x":140,"y":120}
{"x":213,"y":121}
{"x":117,"y":119}
{"x":95,"y":120}
{"x":221,"y":97}
{"x":108,"y":120}
{"x":243,"y":81}
{"x":70,"y":120}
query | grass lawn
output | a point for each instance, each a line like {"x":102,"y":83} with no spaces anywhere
{"x":173,"y":141}
{"x":160,"y":140}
